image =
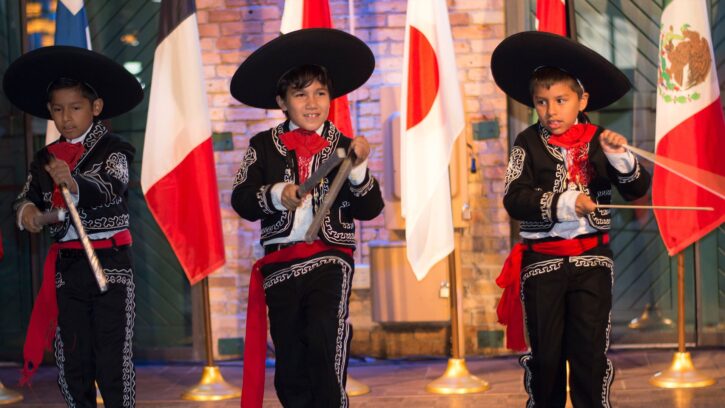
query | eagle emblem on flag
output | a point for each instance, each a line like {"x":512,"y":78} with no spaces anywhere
{"x":684,"y":63}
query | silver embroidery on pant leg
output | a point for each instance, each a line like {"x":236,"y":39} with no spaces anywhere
{"x":527,"y":272}
{"x":343,"y":329}
{"x":60,"y":362}
{"x":604,"y":261}
{"x":125,"y":277}
{"x":524,"y":362}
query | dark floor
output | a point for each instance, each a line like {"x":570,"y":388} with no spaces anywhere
{"x":401,"y":383}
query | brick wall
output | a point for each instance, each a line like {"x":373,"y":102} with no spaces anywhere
{"x":231,"y":29}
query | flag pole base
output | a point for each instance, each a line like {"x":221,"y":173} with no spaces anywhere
{"x":651,"y":318}
{"x":355,"y":388}
{"x":212,"y":387}
{"x":8,"y":397}
{"x":681,"y":374}
{"x":457,"y":380}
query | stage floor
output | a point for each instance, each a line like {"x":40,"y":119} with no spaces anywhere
{"x":401,"y":383}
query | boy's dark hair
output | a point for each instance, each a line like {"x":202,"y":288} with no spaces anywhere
{"x":548,"y":76}
{"x":66,"y":83}
{"x":301,"y":77}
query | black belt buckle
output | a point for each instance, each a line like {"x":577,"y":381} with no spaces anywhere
{"x":268,"y":249}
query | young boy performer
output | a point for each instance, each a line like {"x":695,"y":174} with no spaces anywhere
{"x":306,"y":286}
{"x":92,"y":331}
{"x":559,"y":169}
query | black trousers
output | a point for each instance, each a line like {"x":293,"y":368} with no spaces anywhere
{"x":95,"y":331}
{"x":568,"y":302}
{"x":308,"y":309}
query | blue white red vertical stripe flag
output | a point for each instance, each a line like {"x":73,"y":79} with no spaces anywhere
{"x":71,"y":28}
{"x":690,"y":128}
{"x":431,"y":120}
{"x":178,"y":176}
{"x":299,"y":14}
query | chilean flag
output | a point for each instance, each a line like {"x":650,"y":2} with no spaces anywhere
{"x":178,"y":176}
{"x":431,"y":120}
{"x":299,"y":14}
{"x":690,"y":129}
{"x":71,"y":28}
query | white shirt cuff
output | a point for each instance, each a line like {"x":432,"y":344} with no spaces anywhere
{"x":623,"y":162}
{"x":276,"y":193}
{"x":357,"y":174}
{"x":19,"y":218}
{"x":566,"y":206}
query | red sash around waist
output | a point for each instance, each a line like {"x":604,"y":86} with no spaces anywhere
{"x":255,"y":337}
{"x":44,"y":318}
{"x":509,"y":309}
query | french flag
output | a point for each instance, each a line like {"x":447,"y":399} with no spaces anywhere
{"x":178,"y":177}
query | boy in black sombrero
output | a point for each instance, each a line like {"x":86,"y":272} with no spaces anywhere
{"x":91,"y":330}
{"x":559,"y":170}
{"x":306,"y":286}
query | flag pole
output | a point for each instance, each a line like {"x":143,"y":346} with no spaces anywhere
{"x":353,"y":387}
{"x":682,"y":373}
{"x":456,"y":379}
{"x":212,"y":386}
{"x":8,"y":396}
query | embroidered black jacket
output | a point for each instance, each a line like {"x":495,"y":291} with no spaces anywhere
{"x":268,"y":162}
{"x":102,"y":177}
{"x":536,"y":178}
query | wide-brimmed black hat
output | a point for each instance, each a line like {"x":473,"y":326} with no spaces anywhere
{"x":517,"y":57}
{"x":27,"y":78}
{"x":348,"y":61}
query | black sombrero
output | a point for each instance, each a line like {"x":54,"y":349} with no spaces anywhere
{"x":349,"y":63}
{"x":27,"y":78}
{"x":516,"y":57}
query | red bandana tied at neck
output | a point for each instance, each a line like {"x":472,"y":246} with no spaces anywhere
{"x":575,"y":141}
{"x":69,"y":153}
{"x":306,"y":144}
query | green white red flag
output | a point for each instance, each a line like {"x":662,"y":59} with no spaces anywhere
{"x":690,"y":129}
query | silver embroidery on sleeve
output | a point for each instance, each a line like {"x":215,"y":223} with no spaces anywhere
{"x":635,"y":175}
{"x":250,"y":157}
{"x":361,"y":190}
{"x":117,"y":166}
{"x":545,"y":205}
{"x":515,"y":167}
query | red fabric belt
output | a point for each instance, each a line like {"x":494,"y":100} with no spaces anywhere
{"x":44,"y":318}
{"x":510,"y":311}
{"x":255,"y":337}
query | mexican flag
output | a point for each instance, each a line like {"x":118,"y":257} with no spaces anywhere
{"x":690,"y":130}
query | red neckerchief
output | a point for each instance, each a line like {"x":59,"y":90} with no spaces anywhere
{"x":306,"y":144}
{"x":44,"y":317}
{"x":509,"y":310}
{"x":255,"y":337}
{"x":69,"y":153}
{"x":575,"y":141}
